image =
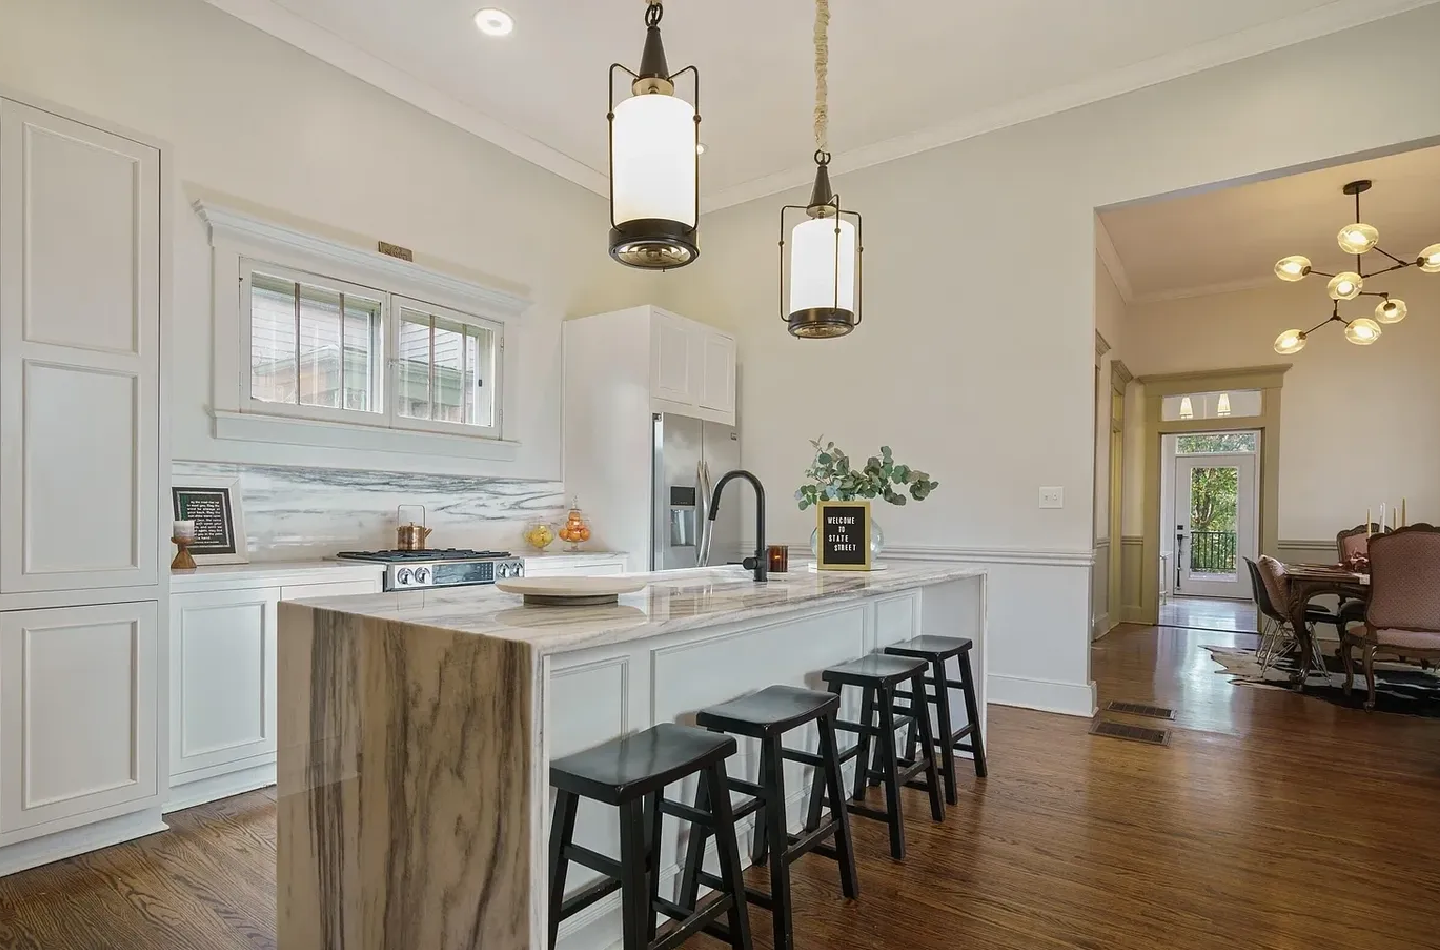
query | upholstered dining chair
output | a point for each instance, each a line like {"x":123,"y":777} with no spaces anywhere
{"x":1403,"y":617}
{"x":1354,"y":540}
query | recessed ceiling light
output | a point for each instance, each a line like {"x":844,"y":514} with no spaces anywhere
{"x":493,"y":21}
{"x":699,"y":148}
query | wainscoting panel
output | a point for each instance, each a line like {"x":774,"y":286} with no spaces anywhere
{"x":1100,"y":590}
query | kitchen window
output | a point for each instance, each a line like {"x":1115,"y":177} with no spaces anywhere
{"x":325,"y":349}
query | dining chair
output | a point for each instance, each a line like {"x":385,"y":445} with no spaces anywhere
{"x":1403,"y":617}
{"x":1354,"y":540}
{"x":1272,"y":594}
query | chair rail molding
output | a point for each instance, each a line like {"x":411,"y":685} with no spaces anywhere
{"x":1042,"y":557}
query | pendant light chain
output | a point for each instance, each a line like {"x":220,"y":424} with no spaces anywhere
{"x":822,"y":89}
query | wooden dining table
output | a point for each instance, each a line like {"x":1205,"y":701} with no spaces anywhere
{"x":1308,"y":581}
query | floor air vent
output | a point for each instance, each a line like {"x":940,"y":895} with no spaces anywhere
{"x":1123,"y":730}
{"x":1140,"y":709}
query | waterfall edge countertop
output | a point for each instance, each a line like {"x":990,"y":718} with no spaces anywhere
{"x":674,"y":601}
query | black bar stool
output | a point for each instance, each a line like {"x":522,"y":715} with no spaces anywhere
{"x":631,"y":773}
{"x":936,"y":651}
{"x":767,"y":715}
{"x":877,"y":675}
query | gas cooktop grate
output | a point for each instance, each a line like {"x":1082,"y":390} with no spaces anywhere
{"x":435,"y":554}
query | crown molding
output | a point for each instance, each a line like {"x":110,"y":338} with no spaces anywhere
{"x":1110,"y":258}
{"x":272,"y":18}
{"x":1332,"y":18}
{"x":1204,"y":290}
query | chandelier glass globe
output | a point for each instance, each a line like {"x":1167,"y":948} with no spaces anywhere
{"x":1292,"y":268}
{"x":1291,"y":341}
{"x":1362,"y":332}
{"x":1345,"y":285}
{"x":1391,"y":311}
{"x":1357,"y":238}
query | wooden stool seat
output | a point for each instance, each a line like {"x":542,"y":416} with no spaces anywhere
{"x":874,"y":669}
{"x":631,"y":772}
{"x":630,"y":766}
{"x":931,"y":648}
{"x":772,"y":710}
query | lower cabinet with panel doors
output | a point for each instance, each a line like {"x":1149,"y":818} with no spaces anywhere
{"x":79,"y":707}
{"x":222,"y":687}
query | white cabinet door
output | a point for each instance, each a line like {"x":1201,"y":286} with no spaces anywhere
{"x":718,"y":360}
{"x":79,"y":691}
{"x":674,"y":373}
{"x":222,"y":680}
{"x":79,"y":355}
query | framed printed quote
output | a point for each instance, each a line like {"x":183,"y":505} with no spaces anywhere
{"x":214,"y":505}
{"x":843,"y":536}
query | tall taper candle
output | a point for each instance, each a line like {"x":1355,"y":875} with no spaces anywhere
{"x":1367,"y":522}
{"x":1403,"y":522}
{"x":1381,"y":522}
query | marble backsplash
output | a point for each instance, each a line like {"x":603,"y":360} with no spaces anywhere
{"x":296,"y":513}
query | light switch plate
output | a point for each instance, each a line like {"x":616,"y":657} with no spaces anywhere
{"x":1052,"y":497}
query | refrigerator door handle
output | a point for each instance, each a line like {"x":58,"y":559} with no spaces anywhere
{"x":702,"y":511}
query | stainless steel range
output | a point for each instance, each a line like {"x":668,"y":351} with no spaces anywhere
{"x":444,"y":567}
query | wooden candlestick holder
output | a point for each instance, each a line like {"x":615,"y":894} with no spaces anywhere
{"x":183,"y":560}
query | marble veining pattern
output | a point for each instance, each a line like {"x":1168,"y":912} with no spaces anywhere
{"x":674,"y":601}
{"x":294,"y":513}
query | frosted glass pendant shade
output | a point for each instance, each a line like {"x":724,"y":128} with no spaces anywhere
{"x":1430,"y":259}
{"x":1391,"y":311}
{"x":1222,"y":405}
{"x":818,"y":256}
{"x":1345,"y":285}
{"x":1357,"y":238}
{"x":1187,"y":408}
{"x":1292,"y":268}
{"x":653,"y":160}
{"x":1362,"y":332}
{"x":1291,"y":341}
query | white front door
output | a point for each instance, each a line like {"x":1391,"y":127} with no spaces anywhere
{"x":1215,"y":524}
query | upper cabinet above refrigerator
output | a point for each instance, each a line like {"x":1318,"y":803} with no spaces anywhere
{"x":692,"y":366}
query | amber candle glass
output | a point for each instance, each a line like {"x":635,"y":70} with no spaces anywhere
{"x":779,"y":558}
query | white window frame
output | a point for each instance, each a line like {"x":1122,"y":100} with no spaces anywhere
{"x":392,"y":383}
{"x":241,"y":242}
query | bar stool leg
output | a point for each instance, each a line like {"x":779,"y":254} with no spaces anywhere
{"x":729,"y":853}
{"x":944,"y":730}
{"x":889,"y":762}
{"x":972,"y":711}
{"x":862,"y":756}
{"x":920,"y":715}
{"x":759,"y":841}
{"x":562,"y":832}
{"x":695,"y":849}
{"x":634,"y":890}
{"x":835,"y":784}
{"x":779,"y":837}
{"x":654,"y":822}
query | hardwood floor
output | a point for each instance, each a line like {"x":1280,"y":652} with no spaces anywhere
{"x":1272,"y":820}
{"x":1208,"y":613}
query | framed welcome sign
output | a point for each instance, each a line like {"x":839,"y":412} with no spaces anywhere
{"x":843,"y":536}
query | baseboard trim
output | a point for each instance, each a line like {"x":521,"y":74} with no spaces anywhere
{"x":216,"y":787}
{"x":1070,"y":699}
{"x":1133,"y":613}
{"x":66,"y":844}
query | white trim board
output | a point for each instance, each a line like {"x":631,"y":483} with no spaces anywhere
{"x":274,"y":19}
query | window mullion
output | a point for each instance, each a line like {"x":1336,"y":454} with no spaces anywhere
{"x":297,"y":343}
{"x":343,"y":400}
{"x":431,"y":386}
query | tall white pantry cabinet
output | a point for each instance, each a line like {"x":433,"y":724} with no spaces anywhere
{"x":84,"y":479}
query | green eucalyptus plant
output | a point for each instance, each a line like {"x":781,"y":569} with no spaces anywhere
{"x":831,"y":477}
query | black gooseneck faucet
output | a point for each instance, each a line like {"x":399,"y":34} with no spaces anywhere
{"x":758,"y":563}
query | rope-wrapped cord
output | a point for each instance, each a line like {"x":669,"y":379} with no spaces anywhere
{"x":822,"y":64}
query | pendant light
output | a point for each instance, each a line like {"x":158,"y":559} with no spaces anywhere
{"x":820,"y":275}
{"x":654,"y":161}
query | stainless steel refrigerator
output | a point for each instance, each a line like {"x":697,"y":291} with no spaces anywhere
{"x":688,"y":457}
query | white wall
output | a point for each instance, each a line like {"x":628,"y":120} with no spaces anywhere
{"x":254,"y":118}
{"x":976,"y":358}
{"x":1358,"y":424}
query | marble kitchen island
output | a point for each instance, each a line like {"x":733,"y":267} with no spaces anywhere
{"x":415,"y":729}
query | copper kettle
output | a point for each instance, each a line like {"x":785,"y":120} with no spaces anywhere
{"x":410,"y":536}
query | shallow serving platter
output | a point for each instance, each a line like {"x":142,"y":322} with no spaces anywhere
{"x":571,"y":591}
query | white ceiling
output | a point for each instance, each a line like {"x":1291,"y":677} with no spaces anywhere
{"x":1230,"y":238}
{"x":903,"y":76}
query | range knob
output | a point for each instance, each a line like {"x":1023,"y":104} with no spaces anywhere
{"x":422,"y":575}
{"x":402,"y":576}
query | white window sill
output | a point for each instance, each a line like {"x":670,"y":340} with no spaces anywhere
{"x":252,"y":427}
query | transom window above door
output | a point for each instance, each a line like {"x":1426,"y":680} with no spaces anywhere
{"x":1227,"y":404}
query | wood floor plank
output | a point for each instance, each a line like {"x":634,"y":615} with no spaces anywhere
{"x":1272,"y":821}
